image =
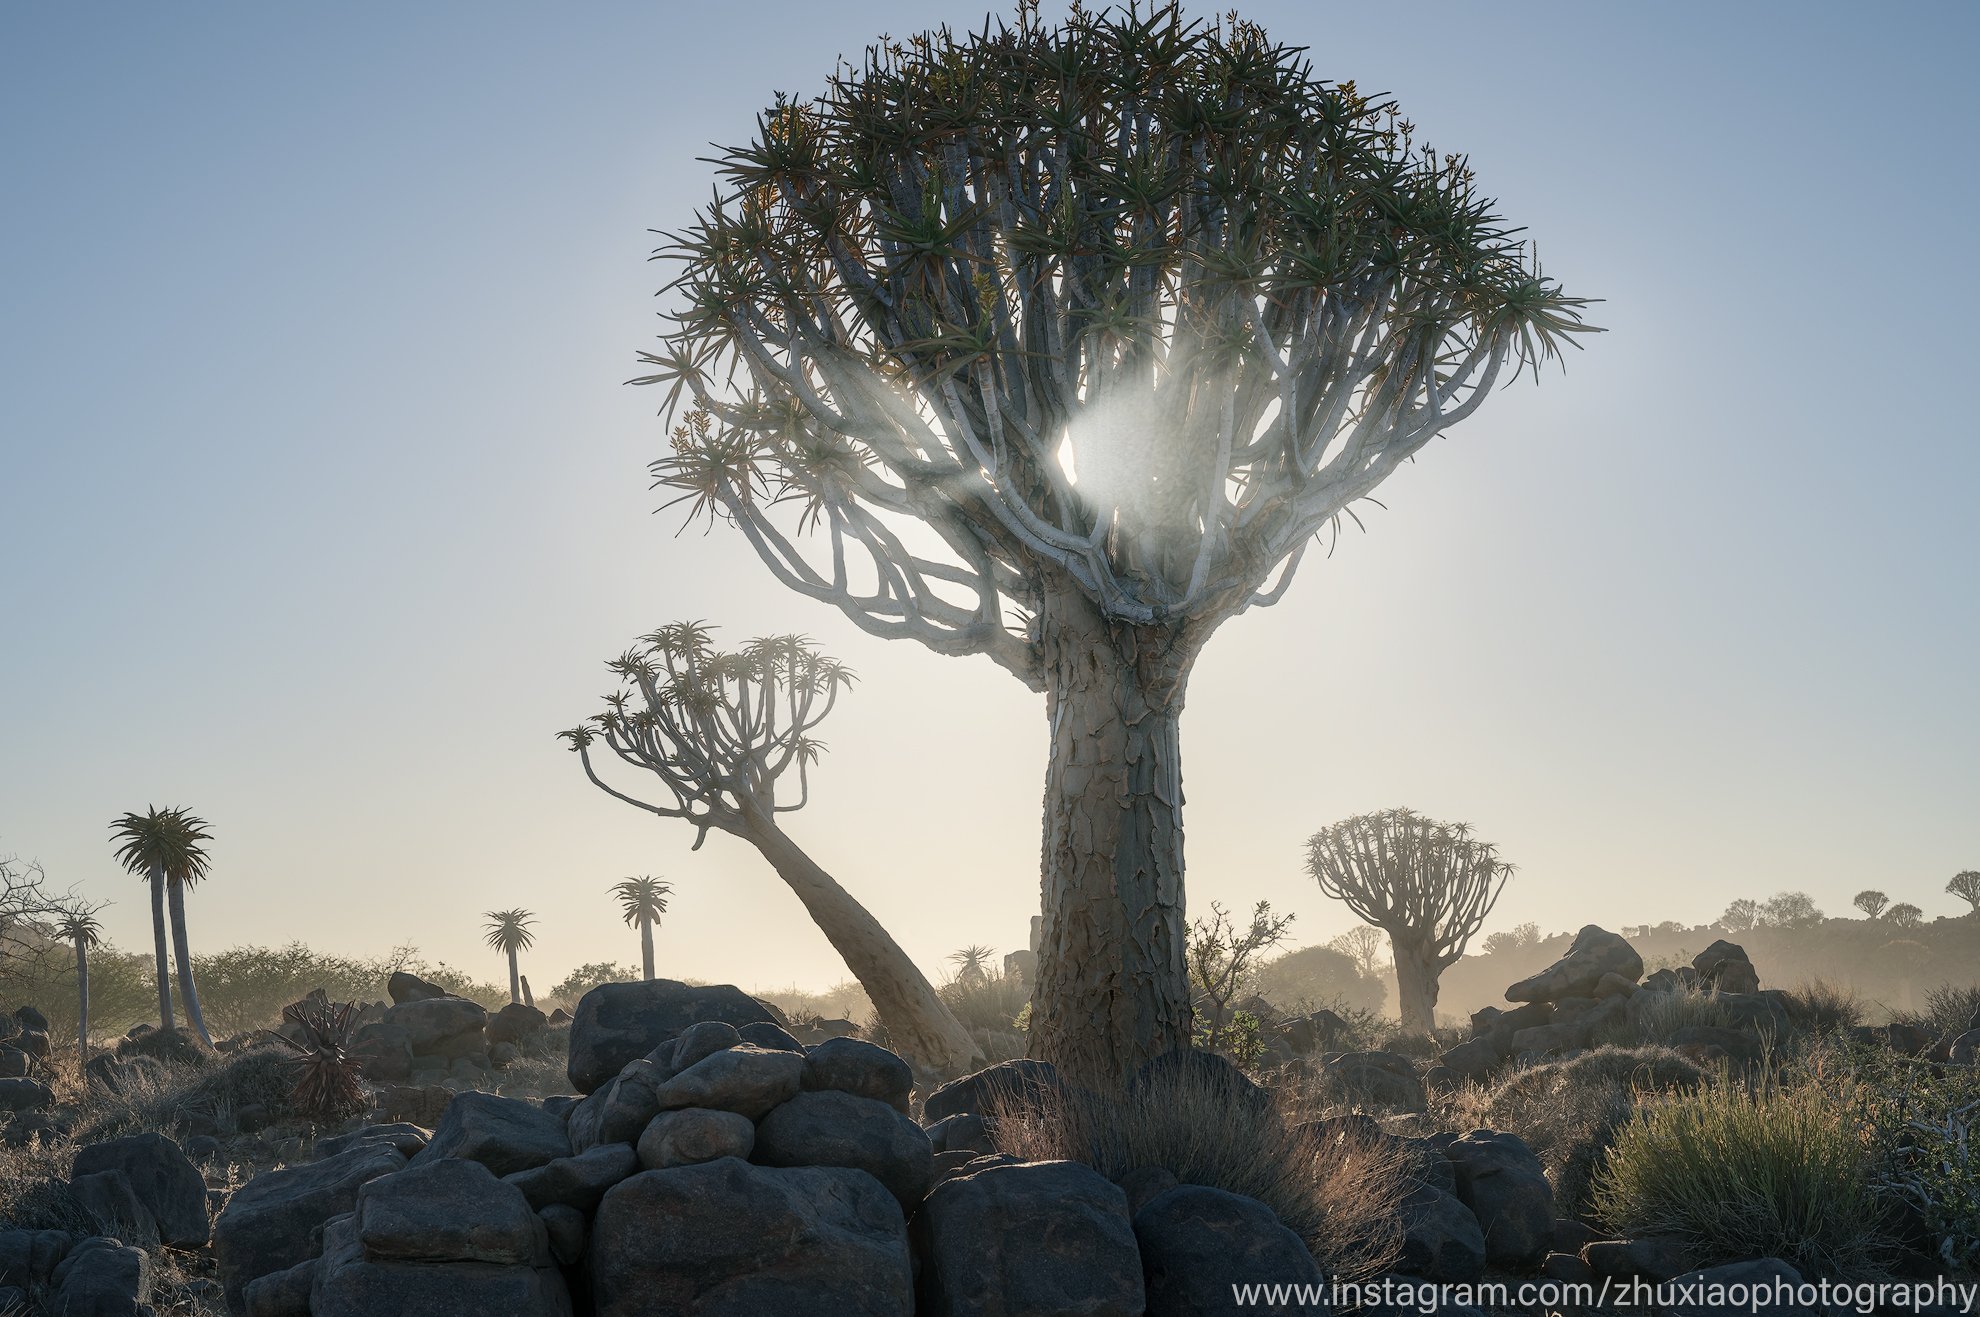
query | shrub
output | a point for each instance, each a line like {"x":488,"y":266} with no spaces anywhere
{"x":1342,"y":1197}
{"x":1949,"y":1009}
{"x":1569,"y":1111}
{"x":1776,"y":1168}
{"x":1924,"y":1124}
{"x":174,"y":1047}
{"x":166,"y":1100}
{"x":1655,"y":1016}
{"x":1821,"y":1006}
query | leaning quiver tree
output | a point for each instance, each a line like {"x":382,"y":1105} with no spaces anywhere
{"x":1428,"y":885}
{"x":719,"y":731}
{"x":1061,"y":345}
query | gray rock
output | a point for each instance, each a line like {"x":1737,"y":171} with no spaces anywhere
{"x":694,"y":1135}
{"x":1568,"y":1268}
{"x":112,"y":1201}
{"x":728,"y":1238}
{"x":25,"y":1095}
{"x":1380,"y":1079}
{"x":384,"y":1049}
{"x":851,"y":1065}
{"x":515,"y":1023}
{"x":578,"y":1181}
{"x":1503,"y":1184}
{"x":1027,"y":1241}
{"x":282,"y":1293}
{"x":1198,"y":1242}
{"x":567,"y":1230}
{"x":449,"y":1211}
{"x":102,"y":1278}
{"x":504,"y":1134}
{"x":1729,"y":1291}
{"x":967,"y":1132}
{"x":618,"y":1111}
{"x":28,"y":1258}
{"x":407,"y":1138}
{"x":1143,"y":1185}
{"x":31,"y":1020}
{"x":695,"y":1043}
{"x":746,"y":1080}
{"x":1712,"y":961}
{"x":14,"y":1062}
{"x":351,"y":1284}
{"x":1196,"y":1073}
{"x":435,"y":1026}
{"x":1474,"y":1060}
{"x":1965,"y":1048}
{"x":402,"y":987}
{"x":770,"y":1037}
{"x":170,"y":1187}
{"x":1594,"y":953}
{"x":1630,"y":1259}
{"x":1442,"y":1240}
{"x":830,"y":1127}
{"x":621,"y":1022}
{"x":1664,"y":980}
{"x":267,"y":1224}
{"x":1016,"y":1083}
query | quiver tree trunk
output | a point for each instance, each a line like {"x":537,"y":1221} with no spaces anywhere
{"x":515,"y":978}
{"x":188,"y":990}
{"x":82,"y":1002}
{"x":161,"y":968}
{"x":918,"y":1024}
{"x":1113,"y":984}
{"x":1417,"y":970}
{"x":646,"y":947}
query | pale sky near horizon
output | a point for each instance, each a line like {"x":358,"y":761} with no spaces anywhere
{"x":321,"y":501}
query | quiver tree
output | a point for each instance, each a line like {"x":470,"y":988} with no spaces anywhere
{"x":1966,"y":886}
{"x":1871,"y":902}
{"x":1428,"y":885}
{"x":167,"y":848}
{"x":1061,"y":346}
{"x":720,"y":732}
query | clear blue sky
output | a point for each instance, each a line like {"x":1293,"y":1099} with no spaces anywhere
{"x":321,"y":501}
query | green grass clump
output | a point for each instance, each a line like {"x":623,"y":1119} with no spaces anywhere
{"x":1778,"y":1168}
{"x":1653,"y":1017}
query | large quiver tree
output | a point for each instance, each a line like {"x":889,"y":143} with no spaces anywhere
{"x":1428,"y":885}
{"x":1060,"y":346}
{"x":719,"y":733}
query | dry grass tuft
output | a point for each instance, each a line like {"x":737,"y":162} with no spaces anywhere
{"x":1569,"y":1111}
{"x":1820,"y":1006}
{"x":1343,"y":1198}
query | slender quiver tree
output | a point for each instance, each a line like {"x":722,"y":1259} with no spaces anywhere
{"x":642,"y":901}
{"x":165,"y":847}
{"x":718,"y":731}
{"x":1428,"y":885}
{"x":1061,"y":346}
{"x":508,"y":932}
{"x":79,"y":927}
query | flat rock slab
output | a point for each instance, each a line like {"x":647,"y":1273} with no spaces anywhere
{"x":504,"y":1134}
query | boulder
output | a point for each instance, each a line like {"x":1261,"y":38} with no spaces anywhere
{"x":617,"y":1112}
{"x":850,"y":1065}
{"x":1142,"y":1185}
{"x":694,"y":1135}
{"x":1442,"y":1240}
{"x":695,"y":1043}
{"x":1664,"y":980}
{"x":1474,"y":1059}
{"x":515,"y":1023}
{"x":407,"y":1138}
{"x":449,"y":1211}
{"x":384,"y":1050}
{"x":725,"y":1237}
{"x":1040,"y":1239}
{"x":770,"y":1036}
{"x":436,"y":1026}
{"x":1904,"y":1039}
{"x":1739,"y":1289}
{"x":268,"y":1221}
{"x":30,"y":1020}
{"x":1964,"y":1049}
{"x":829,"y":1127}
{"x":577,"y":1182}
{"x":112,"y":1202}
{"x":1594,"y":953}
{"x":28,"y":1258}
{"x":504,"y":1134}
{"x":351,"y":1283}
{"x":1634,"y":1259}
{"x":1198,"y":1244}
{"x":1716,"y":967}
{"x":1020,"y":1083}
{"x":621,"y":1022}
{"x":1503,"y":1184}
{"x":282,"y":1293}
{"x":25,"y":1095}
{"x":967,"y":1132}
{"x":1379,"y":1079}
{"x":1194,"y":1071}
{"x":746,"y":1080}
{"x":169,"y":1186}
{"x":102,"y":1278}
{"x":14,"y":1062}
{"x":568,"y":1231}
{"x":1615,"y":985}
{"x":402,"y":987}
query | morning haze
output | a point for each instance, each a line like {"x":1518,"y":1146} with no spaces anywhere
{"x":323,"y":505}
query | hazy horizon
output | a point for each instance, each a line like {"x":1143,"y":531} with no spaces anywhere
{"x":322,"y":502}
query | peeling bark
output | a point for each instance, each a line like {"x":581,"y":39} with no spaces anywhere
{"x":1113,"y":987}
{"x":919,"y":1026}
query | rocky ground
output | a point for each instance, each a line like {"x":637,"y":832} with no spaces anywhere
{"x":677,"y":1150}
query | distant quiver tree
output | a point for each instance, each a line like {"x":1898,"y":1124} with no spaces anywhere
{"x":642,"y":901}
{"x":1428,"y":885}
{"x":1061,"y":345}
{"x":719,"y":733}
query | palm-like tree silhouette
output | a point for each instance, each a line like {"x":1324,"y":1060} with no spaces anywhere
{"x":642,"y":901}
{"x":79,"y":926}
{"x":508,"y":933}
{"x":972,"y":962}
{"x":164,"y":847}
